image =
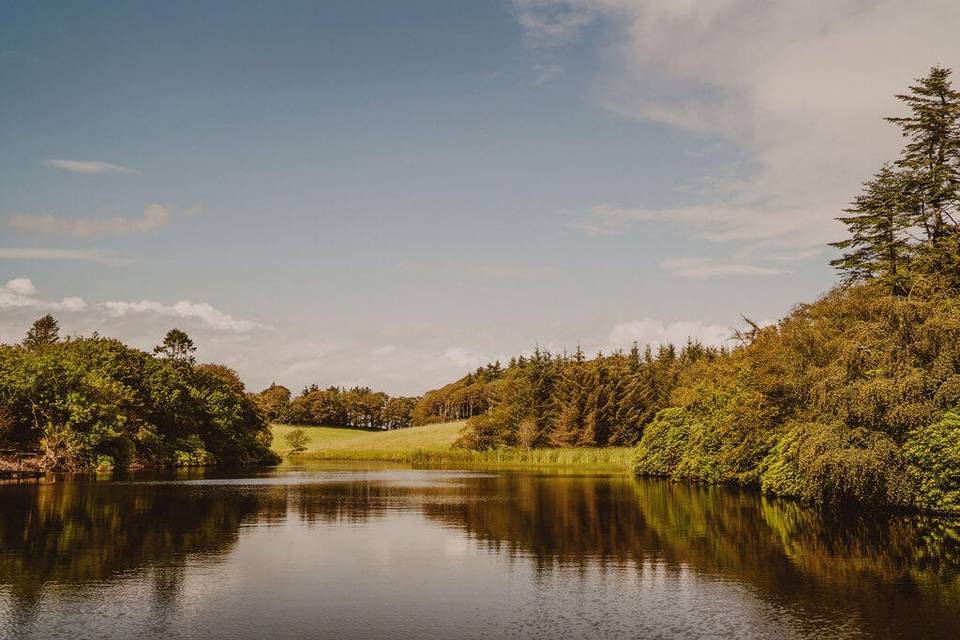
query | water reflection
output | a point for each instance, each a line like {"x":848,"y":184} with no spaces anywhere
{"x":896,"y":576}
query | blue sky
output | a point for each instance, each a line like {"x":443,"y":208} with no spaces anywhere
{"x":390,"y":193}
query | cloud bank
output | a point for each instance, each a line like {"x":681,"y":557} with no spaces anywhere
{"x":201,"y":311}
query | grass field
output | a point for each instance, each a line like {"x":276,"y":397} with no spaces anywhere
{"x":430,"y":446}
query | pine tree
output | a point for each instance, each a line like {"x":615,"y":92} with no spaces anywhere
{"x":44,"y":331}
{"x":569,"y":400}
{"x":627,"y":425}
{"x":930,"y":165}
{"x":878,"y":222}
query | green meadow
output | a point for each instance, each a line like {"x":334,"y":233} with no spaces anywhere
{"x":432,"y":446}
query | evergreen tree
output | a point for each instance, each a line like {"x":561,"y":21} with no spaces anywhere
{"x":569,"y":402}
{"x":44,"y":331}
{"x":878,"y":221}
{"x":930,"y":165}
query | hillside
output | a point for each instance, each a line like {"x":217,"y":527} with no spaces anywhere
{"x":342,"y":440}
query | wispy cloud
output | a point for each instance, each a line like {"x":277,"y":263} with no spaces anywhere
{"x":800,"y":88}
{"x":88,"y":166}
{"x":547,"y":23}
{"x":546,"y":72}
{"x":707,"y":268}
{"x":37,"y":253}
{"x":202,"y":311}
{"x":154,"y":217}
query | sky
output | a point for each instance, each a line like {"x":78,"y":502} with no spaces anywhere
{"x":390,"y":194}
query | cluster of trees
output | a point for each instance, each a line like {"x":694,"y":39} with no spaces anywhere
{"x":87,"y":403}
{"x":904,"y":225}
{"x":336,"y":406}
{"x":548,"y":400}
{"x":854,"y":399}
{"x":467,"y":397}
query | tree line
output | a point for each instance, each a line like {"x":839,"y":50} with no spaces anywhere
{"x":563,"y":400}
{"x":359,"y":407}
{"x":96,"y":403}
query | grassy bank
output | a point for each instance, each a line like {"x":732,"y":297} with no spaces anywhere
{"x":431,"y":446}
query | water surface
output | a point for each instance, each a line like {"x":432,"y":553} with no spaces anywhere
{"x":386,"y":552}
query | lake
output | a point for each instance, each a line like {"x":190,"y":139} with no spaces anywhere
{"x":372,"y":552}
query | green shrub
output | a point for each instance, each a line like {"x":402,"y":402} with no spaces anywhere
{"x":191,"y":453}
{"x":834,"y":466}
{"x":933,"y":455}
{"x":663,"y":443}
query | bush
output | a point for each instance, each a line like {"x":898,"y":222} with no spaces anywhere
{"x":663,"y":443}
{"x":834,"y":466}
{"x":933,"y":456}
{"x":191,"y":453}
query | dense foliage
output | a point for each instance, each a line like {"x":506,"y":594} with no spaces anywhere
{"x":335,"y":406}
{"x":87,"y":403}
{"x":854,"y":399}
{"x":569,"y":400}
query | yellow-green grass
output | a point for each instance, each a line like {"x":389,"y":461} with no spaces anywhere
{"x":326,"y":439}
{"x":431,"y":445}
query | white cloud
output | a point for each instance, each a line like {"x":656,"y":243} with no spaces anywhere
{"x":35,"y":253}
{"x":205,"y":313}
{"x":21,"y":287}
{"x":154,"y":217}
{"x":20,"y":293}
{"x":801,"y":87}
{"x":657,"y":332}
{"x":707,"y":268}
{"x":88,"y":166}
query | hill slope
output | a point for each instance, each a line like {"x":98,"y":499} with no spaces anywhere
{"x":431,"y":437}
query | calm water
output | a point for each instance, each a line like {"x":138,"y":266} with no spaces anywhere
{"x":340,"y":553}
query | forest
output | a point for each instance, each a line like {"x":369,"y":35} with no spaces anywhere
{"x":852,"y":399}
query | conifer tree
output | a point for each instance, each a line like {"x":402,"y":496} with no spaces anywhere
{"x":931,"y":159}
{"x":44,"y":331}
{"x":878,"y":221}
{"x":569,"y":401}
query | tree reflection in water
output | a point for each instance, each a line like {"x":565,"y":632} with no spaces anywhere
{"x":902,"y":570}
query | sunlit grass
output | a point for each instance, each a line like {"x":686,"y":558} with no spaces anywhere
{"x":430,"y":446}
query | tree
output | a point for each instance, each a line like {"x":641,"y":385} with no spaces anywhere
{"x":931,"y":158}
{"x":905,"y":223}
{"x":177,"y":346}
{"x":45,"y":331}
{"x":878,"y":222}
{"x":297,"y":440}
{"x":274,"y":401}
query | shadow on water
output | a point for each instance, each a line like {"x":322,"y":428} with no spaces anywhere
{"x":899,"y":575}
